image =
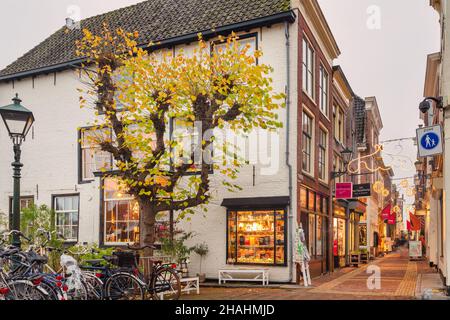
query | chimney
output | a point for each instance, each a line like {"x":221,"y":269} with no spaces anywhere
{"x":70,"y":23}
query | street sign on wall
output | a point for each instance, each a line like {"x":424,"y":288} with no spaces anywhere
{"x":361,"y":190}
{"x":344,"y":190}
{"x":429,"y":141}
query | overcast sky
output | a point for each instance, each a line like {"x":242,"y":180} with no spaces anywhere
{"x":382,"y":57}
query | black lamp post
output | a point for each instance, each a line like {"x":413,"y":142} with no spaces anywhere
{"x":18,"y":121}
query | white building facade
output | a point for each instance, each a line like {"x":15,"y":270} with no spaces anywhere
{"x":60,"y":168}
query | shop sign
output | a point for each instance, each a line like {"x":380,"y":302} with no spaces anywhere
{"x":429,"y":141}
{"x":344,"y":190}
{"x":415,"y":249}
{"x":361,"y":190}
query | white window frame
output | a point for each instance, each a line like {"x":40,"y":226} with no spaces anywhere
{"x":312,"y":146}
{"x":308,"y":68}
{"x":65,"y":211}
{"x":322,"y":129}
{"x":86,"y":176}
{"x":127,"y":198}
{"x":324,"y":89}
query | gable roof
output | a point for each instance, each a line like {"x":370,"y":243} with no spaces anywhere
{"x":157,"y":21}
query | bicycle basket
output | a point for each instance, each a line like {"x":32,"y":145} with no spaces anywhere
{"x":126,"y":259}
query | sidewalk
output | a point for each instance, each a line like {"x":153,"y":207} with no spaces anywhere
{"x":395,"y":278}
{"x":429,"y":284}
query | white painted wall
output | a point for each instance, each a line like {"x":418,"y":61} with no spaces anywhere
{"x":50,"y":155}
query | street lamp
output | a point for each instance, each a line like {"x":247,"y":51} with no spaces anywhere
{"x":419,"y":165}
{"x":347,"y":155}
{"x":18,"y":121}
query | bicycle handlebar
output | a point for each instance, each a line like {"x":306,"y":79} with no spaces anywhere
{"x":18,"y":233}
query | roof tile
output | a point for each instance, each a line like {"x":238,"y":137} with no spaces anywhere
{"x":156,"y":20}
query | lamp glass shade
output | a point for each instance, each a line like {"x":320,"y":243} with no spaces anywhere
{"x":347,"y":155}
{"x":17,"y":118}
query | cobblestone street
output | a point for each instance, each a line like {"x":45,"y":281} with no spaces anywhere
{"x":398,"y":282}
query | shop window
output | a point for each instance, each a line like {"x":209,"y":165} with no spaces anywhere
{"x":312,"y":235}
{"x":339,"y":237}
{"x":121,"y":214}
{"x":303,"y":198}
{"x":319,"y":236}
{"x":67,"y":215}
{"x":256,"y":237}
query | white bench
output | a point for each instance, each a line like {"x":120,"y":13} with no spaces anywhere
{"x":258,"y":275}
{"x":187,"y":285}
{"x":190,"y":284}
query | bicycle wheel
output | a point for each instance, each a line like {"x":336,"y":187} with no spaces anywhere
{"x":79,"y":291}
{"x":24,"y":290}
{"x":124,"y":286}
{"x":94,"y":286}
{"x":166,"y":285}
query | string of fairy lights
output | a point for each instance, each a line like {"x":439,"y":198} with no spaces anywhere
{"x":397,"y":160}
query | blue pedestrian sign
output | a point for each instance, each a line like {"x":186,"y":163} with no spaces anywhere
{"x":429,"y":141}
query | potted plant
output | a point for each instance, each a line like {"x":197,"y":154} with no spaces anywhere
{"x":179,"y":251}
{"x":202,"y":250}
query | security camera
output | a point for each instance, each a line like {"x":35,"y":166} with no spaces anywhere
{"x":424,"y":106}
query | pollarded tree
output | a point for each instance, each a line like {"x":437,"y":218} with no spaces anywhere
{"x":143,"y":97}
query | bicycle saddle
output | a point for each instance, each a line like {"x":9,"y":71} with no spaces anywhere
{"x":34,"y":257}
{"x":9,"y":252}
{"x":94,"y":262}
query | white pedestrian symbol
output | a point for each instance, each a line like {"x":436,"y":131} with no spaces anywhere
{"x":428,"y":141}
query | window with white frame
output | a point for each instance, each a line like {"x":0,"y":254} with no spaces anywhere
{"x":67,"y":214}
{"x":121,"y":214}
{"x":323,"y":145}
{"x":244,"y":41}
{"x":308,"y":129}
{"x":93,"y":159}
{"x":323,"y":91}
{"x":308,"y":68}
{"x":339,"y":123}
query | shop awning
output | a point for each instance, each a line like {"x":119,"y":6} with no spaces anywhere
{"x":256,"y":203}
{"x":357,"y":206}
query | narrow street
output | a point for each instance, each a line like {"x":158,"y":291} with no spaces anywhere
{"x":400,"y":280}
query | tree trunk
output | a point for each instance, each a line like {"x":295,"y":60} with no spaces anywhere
{"x":147,"y":232}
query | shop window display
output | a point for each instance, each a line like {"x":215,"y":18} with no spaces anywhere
{"x":256,"y":237}
{"x":121,"y":214}
{"x":339,"y":239}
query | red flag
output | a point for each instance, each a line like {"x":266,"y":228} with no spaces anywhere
{"x":386,"y":213}
{"x":408,"y":225}
{"x":415,"y":222}
{"x":392,"y":218}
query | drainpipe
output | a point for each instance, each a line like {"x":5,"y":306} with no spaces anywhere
{"x":288,"y":164}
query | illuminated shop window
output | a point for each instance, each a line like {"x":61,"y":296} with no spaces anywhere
{"x":121,"y":214}
{"x":256,"y":237}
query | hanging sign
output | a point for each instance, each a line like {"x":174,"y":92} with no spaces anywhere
{"x":361,"y":190}
{"x":344,"y":190}
{"x":429,"y":141}
{"x":386,"y":212}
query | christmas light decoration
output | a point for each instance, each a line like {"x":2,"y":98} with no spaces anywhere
{"x":363,"y":164}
